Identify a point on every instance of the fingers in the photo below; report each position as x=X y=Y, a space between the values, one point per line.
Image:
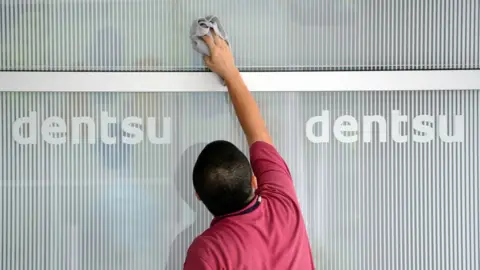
x=217 y=39
x=214 y=40
x=209 y=41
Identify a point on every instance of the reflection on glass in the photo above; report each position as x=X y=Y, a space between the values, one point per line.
x=367 y=205
x=265 y=35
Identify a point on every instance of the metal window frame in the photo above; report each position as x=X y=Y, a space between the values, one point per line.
x=257 y=81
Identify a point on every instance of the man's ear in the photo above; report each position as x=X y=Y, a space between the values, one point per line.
x=254 y=182
x=198 y=197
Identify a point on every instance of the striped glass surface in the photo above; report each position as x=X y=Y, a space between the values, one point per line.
x=386 y=180
x=139 y=35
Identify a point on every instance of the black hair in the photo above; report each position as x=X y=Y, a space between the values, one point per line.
x=222 y=178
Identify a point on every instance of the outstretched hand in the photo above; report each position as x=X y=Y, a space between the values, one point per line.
x=221 y=60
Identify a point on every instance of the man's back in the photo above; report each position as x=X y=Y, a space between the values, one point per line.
x=267 y=234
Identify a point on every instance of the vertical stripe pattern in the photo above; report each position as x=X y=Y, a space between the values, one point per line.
x=395 y=187
x=152 y=35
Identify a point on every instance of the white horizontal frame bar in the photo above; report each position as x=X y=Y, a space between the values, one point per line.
x=257 y=81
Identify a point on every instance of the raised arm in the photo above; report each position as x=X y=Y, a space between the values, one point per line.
x=272 y=172
x=221 y=62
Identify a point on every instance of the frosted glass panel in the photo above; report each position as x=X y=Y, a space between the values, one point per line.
x=386 y=180
x=268 y=34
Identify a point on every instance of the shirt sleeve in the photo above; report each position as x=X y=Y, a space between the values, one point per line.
x=198 y=257
x=273 y=175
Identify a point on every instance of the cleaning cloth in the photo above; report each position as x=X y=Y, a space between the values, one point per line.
x=203 y=27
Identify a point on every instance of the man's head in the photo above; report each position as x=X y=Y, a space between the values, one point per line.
x=223 y=178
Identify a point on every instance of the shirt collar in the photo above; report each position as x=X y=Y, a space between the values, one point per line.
x=247 y=209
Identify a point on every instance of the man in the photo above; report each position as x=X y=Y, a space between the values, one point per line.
x=257 y=221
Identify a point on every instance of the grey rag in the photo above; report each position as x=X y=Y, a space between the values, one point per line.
x=203 y=27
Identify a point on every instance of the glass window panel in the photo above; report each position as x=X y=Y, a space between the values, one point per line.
x=269 y=34
x=404 y=195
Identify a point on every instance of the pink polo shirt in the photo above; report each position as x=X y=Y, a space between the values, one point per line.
x=268 y=234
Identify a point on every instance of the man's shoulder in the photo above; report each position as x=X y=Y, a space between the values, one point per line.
x=201 y=254
x=204 y=246
x=204 y=243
